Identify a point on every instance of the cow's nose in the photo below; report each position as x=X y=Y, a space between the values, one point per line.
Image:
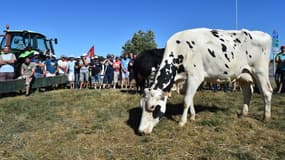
x=144 y=132
x=150 y=108
x=141 y=133
x=147 y=131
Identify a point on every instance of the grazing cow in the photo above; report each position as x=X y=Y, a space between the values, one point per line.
x=207 y=54
x=145 y=66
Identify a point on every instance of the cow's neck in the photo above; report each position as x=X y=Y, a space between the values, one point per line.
x=165 y=76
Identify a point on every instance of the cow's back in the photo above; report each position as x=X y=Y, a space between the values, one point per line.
x=220 y=53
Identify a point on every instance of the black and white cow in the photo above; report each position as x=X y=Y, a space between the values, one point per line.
x=207 y=54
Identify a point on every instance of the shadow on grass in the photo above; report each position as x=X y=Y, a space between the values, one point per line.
x=12 y=94
x=171 y=110
x=131 y=92
x=134 y=118
x=177 y=109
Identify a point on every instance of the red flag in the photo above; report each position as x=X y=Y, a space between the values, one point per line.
x=91 y=52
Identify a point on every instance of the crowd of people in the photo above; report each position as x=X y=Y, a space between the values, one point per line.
x=84 y=72
x=110 y=72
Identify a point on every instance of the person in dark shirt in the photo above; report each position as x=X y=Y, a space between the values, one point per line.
x=280 y=59
x=109 y=72
x=51 y=66
x=76 y=72
x=131 y=71
x=40 y=66
x=95 y=70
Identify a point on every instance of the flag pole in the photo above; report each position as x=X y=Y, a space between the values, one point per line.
x=236 y=15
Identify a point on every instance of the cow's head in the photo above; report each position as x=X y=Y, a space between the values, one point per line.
x=153 y=105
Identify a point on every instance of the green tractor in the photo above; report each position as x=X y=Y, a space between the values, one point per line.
x=23 y=43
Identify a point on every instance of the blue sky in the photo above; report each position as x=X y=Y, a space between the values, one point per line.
x=108 y=24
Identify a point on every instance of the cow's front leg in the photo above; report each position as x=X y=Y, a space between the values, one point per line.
x=188 y=103
x=192 y=85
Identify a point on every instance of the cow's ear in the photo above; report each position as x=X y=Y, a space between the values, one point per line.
x=146 y=90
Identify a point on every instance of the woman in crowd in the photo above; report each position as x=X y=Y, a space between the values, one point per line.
x=117 y=67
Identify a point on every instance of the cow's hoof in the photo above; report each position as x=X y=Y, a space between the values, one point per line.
x=182 y=124
x=266 y=118
x=192 y=118
x=244 y=114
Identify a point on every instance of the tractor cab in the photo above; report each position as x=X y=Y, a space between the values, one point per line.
x=23 y=43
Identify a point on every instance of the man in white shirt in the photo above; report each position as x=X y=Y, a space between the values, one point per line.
x=71 y=71
x=62 y=65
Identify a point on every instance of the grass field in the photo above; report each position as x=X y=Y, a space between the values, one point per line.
x=87 y=124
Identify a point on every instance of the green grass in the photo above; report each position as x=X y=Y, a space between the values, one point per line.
x=87 y=124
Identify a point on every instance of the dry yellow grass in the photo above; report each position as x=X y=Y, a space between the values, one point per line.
x=87 y=124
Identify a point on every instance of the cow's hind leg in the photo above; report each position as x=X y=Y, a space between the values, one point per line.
x=192 y=85
x=266 y=90
x=247 y=93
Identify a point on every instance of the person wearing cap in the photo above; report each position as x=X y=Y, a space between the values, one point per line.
x=280 y=59
x=40 y=66
x=71 y=71
x=27 y=73
x=51 y=66
x=7 y=61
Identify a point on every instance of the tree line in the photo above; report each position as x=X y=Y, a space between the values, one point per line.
x=140 y=42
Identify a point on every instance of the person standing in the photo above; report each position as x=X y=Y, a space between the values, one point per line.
x=27 y=73
x=124 y=68
x=62 y=65
x=109 y=72
x=280 y=59
x=278 y=72
x=71 y=71
x=131 y=71
x=77 y=72
x=84 y=71
x=7 y=61
x=102 y=74
x=116 y=67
